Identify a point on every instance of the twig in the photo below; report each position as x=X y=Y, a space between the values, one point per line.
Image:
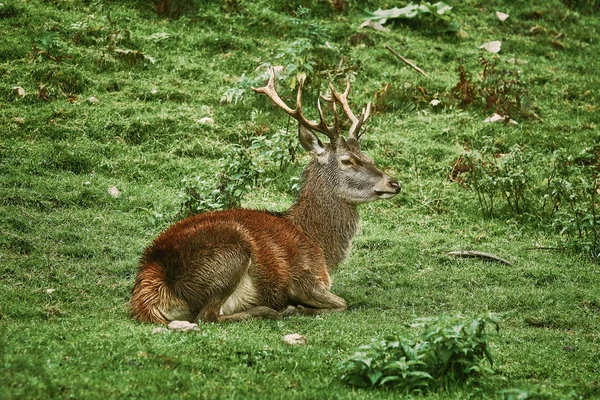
x=407 y=62
x=479 y=254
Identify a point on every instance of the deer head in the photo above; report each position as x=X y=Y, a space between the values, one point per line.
x=350 y=174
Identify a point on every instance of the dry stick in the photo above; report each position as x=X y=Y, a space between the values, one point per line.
x=407 y=62
x=479 y=254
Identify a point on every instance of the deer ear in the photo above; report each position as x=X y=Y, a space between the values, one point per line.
x=310 y=141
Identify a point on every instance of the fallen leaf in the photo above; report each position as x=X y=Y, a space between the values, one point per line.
x=500 y=119
x=114 y=192
x=462 y=34
x=206 y=121
x=558 y=45
x=159 y=330
x=502 y=16
x=493 y=47
x=374 y=25
x=183 y=326
x=19 y=120
x=19 y=91
x=536 y=29
x=294 y=339
x=50 y=290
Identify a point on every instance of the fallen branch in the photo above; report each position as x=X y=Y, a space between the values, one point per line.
x=407 y=62
x=479 y=254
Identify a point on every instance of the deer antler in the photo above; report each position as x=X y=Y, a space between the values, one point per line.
x=342 y=100
x=332 y=132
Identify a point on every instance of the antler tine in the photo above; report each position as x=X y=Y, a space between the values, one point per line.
x=336 y=118
x=269 y=90
x=342 y=100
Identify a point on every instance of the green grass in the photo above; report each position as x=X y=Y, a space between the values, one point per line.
x=61 y=230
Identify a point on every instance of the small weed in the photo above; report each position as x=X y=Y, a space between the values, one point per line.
x=498 y=90
x=238 y=173
x=573 y=188
x=450 y=348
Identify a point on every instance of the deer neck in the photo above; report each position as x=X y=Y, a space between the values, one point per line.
x=328 y=221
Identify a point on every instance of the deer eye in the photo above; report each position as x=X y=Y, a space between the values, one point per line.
x=347 y=162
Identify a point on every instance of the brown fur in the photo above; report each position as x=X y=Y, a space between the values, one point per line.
x=175 y=269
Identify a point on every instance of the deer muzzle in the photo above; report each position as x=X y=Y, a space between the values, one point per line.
x=387 y=187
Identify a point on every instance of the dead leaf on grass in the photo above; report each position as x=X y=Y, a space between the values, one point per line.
x=183 y=326
x=374 y=25
x=502 y=16
x=537 y=29
x=493 y=47
x=294 y=339
x=500 y=119
x=19 y=91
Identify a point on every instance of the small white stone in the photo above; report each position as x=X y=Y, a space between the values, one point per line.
x=294 y=339
x=93 y=100
x=50 y=290
x=184 y=326
x=434 y=102
x=114 y=192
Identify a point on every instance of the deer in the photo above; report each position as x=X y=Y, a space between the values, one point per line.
x=236 y=264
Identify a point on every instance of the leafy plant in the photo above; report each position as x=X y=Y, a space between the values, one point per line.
x=492 y=174
x=280 y=148
x=574 y=190
x=437 y=15
x=239 y=171
x=449 y=348
x=498 y=90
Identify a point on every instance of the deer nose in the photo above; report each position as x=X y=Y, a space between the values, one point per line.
x=395 y=185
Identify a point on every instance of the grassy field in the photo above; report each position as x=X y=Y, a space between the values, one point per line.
x=96 y=94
